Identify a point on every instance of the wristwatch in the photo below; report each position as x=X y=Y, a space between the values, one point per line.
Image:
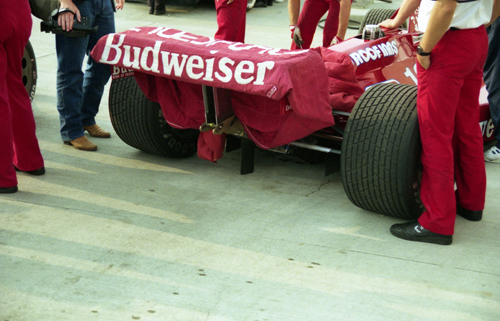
x=421 y=51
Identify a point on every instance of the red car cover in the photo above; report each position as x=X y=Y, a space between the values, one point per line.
x=278 y=95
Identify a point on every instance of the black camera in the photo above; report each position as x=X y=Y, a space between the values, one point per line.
x=80 y=29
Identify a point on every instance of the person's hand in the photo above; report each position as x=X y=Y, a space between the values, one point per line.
x=119 y=4
x=424 y=61
x=389 y=24
x=297 y=38
x=336 y=40
x=66 y=19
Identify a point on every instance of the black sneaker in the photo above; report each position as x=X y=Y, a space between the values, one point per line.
x=36 y=172
x=413 y=231
x=8 y=190
x=468 y=214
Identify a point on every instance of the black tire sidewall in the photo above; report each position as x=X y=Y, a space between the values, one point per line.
x=374 y=17
x=140 y=123
x=380 y=154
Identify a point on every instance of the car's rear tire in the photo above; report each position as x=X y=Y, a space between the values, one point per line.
x=374 y=17
x=29 y=70
x=140 y=123
x=380 y=157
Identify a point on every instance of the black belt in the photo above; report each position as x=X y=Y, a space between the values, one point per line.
x=454 y=29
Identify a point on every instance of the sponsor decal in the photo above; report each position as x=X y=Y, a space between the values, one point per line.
x=386 y=49
x=271 y=92
x=285 y=106
x=416 y=39
x=487 y=128
x=154 y=59
x=118 y=72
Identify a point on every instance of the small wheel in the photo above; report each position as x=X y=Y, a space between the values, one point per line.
x=380 y=156
x=140 y=123
x=29 y=70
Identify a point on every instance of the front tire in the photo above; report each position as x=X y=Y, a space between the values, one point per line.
x=380 y=157
x=140 y=123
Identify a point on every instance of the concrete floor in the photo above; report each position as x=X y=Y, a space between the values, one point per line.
x=118 y=234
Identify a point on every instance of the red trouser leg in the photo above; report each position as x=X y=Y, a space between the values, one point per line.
x=20 y=145
x=448 y=111
x=331 y=23
x=231 y=20
x=7 y=173
x=309 y=17
x=470 y=175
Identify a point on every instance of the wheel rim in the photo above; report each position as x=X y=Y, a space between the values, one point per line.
x=29 y=71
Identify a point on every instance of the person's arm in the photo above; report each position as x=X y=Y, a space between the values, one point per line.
x=406 y=9
x=293 y=11
x=293 y=15
x=496 y=12
x=439 y=22
x=344 y=14
x=66 y=19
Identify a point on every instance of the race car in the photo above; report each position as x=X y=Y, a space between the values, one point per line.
x=173 y=91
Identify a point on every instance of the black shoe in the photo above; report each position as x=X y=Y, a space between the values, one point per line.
x=5 y=190
x=413 y=231
x=160 y=10
x=151 y=4
x=36 y=172
x=260 y=4
x=468 y=214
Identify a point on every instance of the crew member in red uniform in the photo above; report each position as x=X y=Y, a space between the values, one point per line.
x=304 y=26
x=18 y=142
x=231 y=19
x=450 y=58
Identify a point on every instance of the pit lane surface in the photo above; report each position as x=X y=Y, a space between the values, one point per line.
x=118 y=234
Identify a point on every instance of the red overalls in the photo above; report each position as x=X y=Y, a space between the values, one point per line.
x=18 y=143
x=448 y=114
x=309 y=17
x=231 y=20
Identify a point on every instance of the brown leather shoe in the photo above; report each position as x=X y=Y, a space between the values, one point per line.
x=96 y=131
x=82 y=143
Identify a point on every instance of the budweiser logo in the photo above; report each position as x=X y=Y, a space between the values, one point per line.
x=166 y=53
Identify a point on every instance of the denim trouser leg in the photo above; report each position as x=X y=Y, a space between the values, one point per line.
x=79 y=94
x=96 y=74
x=70 y=55
x=492 y=76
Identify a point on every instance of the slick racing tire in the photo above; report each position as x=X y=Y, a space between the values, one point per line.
x=380 y=157
x=29 y=70
x=140 y=123
x=374 y=17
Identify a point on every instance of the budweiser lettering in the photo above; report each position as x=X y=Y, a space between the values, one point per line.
x=180 y=63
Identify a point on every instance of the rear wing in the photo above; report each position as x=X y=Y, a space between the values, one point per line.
x=278 y=95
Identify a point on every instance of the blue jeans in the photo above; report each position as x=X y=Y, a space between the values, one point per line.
x=492 y=76
x=79 y=94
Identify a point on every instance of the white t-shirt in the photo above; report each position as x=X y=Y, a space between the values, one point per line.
x=469 y=14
